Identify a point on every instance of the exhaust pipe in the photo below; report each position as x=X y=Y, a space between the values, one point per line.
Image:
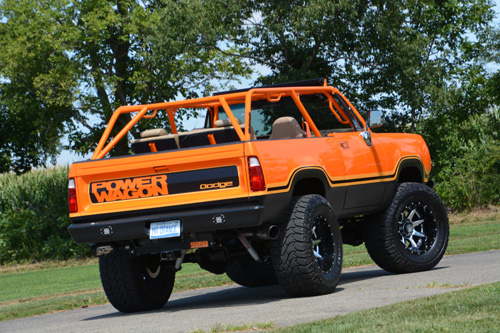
x=267 y=232
x=249 y=248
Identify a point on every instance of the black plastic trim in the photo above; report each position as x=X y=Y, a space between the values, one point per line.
x=139 y=213
x=411 y=162
x=200 y=220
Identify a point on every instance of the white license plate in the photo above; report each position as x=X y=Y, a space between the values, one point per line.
x=165 y=229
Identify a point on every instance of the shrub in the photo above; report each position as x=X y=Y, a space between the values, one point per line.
x=471 y=166
x=34 y=217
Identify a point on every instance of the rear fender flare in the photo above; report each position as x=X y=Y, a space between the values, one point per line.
x=406 y=174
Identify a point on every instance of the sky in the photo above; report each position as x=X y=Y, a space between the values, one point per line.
x=68 y=157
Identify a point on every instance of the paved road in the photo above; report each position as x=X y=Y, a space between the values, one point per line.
x=359 y=289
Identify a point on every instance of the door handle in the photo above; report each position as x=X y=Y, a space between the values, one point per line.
x=367 y=137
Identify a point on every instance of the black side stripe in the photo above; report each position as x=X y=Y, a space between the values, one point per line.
x=340 y=182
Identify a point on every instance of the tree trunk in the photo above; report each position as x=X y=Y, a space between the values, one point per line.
x=120 y=46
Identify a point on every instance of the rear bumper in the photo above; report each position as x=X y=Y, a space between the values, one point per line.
x=192 y=220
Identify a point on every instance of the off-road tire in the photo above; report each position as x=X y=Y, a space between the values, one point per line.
x=136 y=283
x=412 y=234
x=247 y=272
x=311 y=228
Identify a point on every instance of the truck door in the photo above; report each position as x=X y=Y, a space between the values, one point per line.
x=364 y=171
x=363 y=160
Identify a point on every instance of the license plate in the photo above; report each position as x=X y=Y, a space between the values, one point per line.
x=165 y=229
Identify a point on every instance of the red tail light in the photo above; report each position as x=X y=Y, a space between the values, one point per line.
x=73 y=205
x=257 y=182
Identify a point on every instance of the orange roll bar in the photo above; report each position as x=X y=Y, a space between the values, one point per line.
x=271 y=94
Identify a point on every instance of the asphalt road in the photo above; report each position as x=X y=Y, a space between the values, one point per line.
x=359 y=289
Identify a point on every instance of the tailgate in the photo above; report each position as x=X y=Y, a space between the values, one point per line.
x=157 y=180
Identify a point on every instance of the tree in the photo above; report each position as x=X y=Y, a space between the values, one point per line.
x=395 y=55
x=494 y=57
x=67 y=64
x=36 y=85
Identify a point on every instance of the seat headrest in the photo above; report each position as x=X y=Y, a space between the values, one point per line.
x=153 y=132
x=225 y=122
x=286 y=128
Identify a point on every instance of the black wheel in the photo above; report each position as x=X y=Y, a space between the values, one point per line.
x=307 y=257
x=412 y=234
x=247 y=272
x=136 y=283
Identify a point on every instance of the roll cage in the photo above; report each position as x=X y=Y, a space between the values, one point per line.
x=340 y=106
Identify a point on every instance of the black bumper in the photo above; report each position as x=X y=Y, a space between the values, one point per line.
x=194 y=220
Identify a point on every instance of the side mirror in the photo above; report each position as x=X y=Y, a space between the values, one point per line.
x=375 y=119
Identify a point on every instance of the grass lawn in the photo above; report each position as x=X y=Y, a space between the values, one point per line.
x=48 y=288
x=27 y=290
x=474 y=309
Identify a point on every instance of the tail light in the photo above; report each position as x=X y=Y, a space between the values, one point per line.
x=73 y=204
x=257 y=182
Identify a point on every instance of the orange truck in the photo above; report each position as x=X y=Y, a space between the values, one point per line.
x=267 y=191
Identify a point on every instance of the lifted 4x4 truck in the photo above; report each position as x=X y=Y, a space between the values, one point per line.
x=267 y=192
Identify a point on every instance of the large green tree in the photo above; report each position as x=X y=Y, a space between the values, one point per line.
x=36 y=84
x=494 y=57
x=66 y=65
x=396 y=55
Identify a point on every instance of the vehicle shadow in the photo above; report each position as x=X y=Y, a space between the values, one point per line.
x=365 y=273
x=230 y=296
x=240 y=296
x=371 y=272
x=214 y=298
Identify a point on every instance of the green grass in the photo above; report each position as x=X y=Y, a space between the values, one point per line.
x=474 y=309
x=193 y=277
x=237 y=328
x=27 y=290
x=474 y=237
x=37 y=306
x=355 y=256
x=50 y=282
x=48 y=288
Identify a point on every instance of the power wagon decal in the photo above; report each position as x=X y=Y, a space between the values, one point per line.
x=163 y=184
